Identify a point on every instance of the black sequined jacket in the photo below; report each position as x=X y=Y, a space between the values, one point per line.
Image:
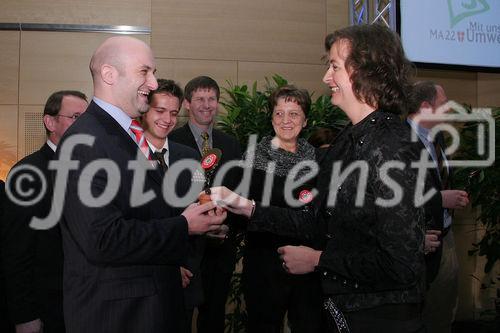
x=373 y=250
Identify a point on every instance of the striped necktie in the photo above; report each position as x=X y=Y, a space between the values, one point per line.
x=140 y=139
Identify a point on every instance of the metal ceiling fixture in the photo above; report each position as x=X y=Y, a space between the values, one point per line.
x=373 y=12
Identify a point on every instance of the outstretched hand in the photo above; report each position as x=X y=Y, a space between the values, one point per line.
x=203 y=218
x=231 y=201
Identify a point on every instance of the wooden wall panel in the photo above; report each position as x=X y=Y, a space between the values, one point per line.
x=337 y=12
x=52 y=61
x=112 y=12
x=303 y=76
x=31 y=129
x=8 y=138
x=259 y=30
x=9 y=67
x=182 y=71
x=488 y=89
x=460 y=86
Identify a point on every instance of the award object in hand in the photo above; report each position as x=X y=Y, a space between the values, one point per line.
x=209 y=163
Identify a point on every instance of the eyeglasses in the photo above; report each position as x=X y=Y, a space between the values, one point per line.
x=293 y=115
x=76 y=115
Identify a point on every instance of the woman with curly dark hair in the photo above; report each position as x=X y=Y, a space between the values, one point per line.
x=364 y=214
x=375 y=68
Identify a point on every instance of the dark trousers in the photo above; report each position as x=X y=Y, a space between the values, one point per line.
x=51 y=312
x=5 y=324
x=393 y=318
x=442 y=296
x=217 y=269
x=189 y=320
x=270 y=292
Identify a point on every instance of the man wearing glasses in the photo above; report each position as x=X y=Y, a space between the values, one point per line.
x=33 y=259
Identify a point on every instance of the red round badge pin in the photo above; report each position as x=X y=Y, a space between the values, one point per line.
x=209 y=161
x=305 y=196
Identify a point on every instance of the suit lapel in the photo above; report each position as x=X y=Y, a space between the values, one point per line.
x=119 y=136
x=173 y=154
x=437 y=180
x=47 y=152
x=434 y=171
x=218 y=142
x=190 y=140
x=120 y=139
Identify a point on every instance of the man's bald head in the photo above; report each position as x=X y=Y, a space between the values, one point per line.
x=112 y=52
x=123 y=73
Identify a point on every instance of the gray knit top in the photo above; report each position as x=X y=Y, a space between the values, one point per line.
x=266 y=152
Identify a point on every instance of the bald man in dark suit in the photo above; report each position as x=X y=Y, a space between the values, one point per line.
x=122 y=257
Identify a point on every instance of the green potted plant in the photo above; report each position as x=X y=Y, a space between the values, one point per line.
x=483 y=186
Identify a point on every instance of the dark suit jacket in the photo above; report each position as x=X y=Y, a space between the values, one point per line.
x=121 y=264
x=216 y=272
x=178 y=152
x=433 y=220
x=230 y=147
x=5 y=323
x=193 y=293
x=33 y=259
x=231 y=150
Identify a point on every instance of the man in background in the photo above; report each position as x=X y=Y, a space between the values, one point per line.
x=5 y=323
x=158 y=122
x=33 y=259
x=201 y=101
x=441 y=298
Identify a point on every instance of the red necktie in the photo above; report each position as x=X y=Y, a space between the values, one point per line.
x=140 y=139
